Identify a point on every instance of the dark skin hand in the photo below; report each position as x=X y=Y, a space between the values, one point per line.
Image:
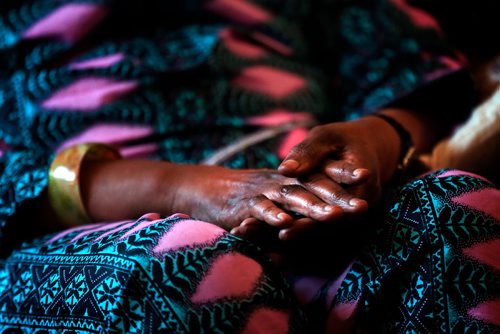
x=126 y=189
x=346 y=164
x=226 y=197
x=338 y=173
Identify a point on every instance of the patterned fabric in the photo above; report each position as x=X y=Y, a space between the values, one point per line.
x=432 y=267
x=178 y=81
x=172 y=275
x=79 y=71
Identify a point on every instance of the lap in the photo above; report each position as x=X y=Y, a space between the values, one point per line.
x=171 y=275
x=429 y=266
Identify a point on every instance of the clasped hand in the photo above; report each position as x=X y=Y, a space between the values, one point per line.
x=334 y=173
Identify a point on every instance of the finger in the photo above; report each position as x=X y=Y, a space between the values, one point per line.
x=254 y=229
x=240 y=229
x=297 y=199
x=250 y=221
x=333 y=193
x=344 y=172
x=246 y=226
x=305 y=156
x=299 y=227
x=262 y=208
x=236 y=231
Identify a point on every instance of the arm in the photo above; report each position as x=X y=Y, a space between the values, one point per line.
x=126 y=189
x=368 y=148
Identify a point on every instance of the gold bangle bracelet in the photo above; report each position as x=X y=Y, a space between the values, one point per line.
x=64 y=180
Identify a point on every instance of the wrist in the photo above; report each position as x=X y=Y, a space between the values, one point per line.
x=406 y=146
x=185 y=187
x=386 y=143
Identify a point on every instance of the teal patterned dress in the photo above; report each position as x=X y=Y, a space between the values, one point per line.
x=236 y=83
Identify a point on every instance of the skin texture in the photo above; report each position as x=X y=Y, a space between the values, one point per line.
x=333 y=176
x=126 y=189
x=347 y=164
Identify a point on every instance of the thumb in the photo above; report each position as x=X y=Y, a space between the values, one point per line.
x=303 y=158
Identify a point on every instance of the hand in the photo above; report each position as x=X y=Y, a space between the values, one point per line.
x=353 y=159
x=126 y=189
x=344 y=164
x=227 y=197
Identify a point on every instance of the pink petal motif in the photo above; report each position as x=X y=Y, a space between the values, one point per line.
x=341 y=318
x=68 y=23
x=188 y=233
x=439 y=73
x=450 y=62
x=272 y=44
x=457 y=172
x=485 y=200
x=89 y=94
x=419 y=17
x=109 y=133
x=150 y=219
x=101 y=62
x=267 y=321
x=231 y=275
x=488 y=312
x=241 y=11
x=241 y=47
x=486 y=252
x=115 y=230
x=71 y=230
x=139 y=151
x=278 y=117
x=269 y=81
x=98 y=228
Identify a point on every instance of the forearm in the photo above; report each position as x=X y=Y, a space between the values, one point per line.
x=126 y=189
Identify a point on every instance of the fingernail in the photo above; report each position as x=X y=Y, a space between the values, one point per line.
x=328 y=208
x=283 y=234
x=290 y=164
x=282 y=216
x=234 y=231
x=354 y=202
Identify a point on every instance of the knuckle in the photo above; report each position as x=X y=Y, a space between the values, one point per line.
x=336 y=196
x=254 y=201
x=301 y=149
x=267 y=209
x=287 y=190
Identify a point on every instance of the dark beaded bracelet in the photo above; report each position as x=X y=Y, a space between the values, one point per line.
x=407 y=150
